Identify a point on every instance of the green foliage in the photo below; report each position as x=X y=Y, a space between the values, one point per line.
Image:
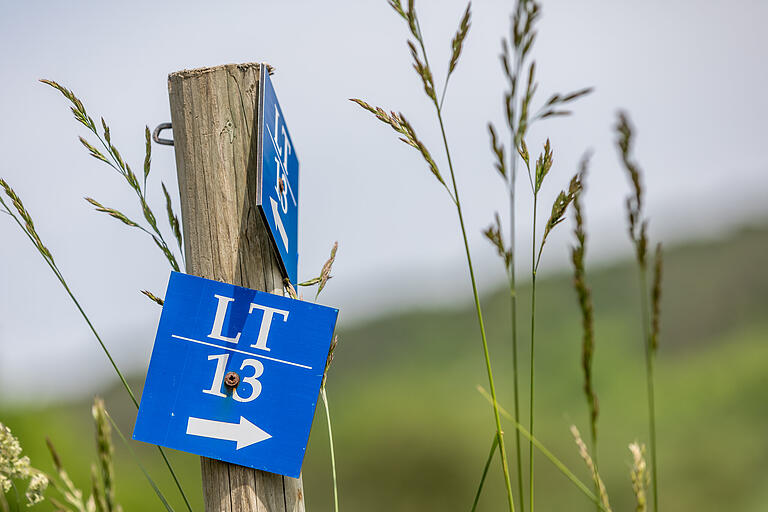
x=417 y=448
x=23 y=219
x=400 y=125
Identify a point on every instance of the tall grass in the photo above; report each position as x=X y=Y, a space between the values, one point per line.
x=520 y=113
x=110 y=155
x=23 y=219
x=398 y=122
x=320 y=281
x=17 y=468
x=584 y=296
x=649 y=314
x=520 y=72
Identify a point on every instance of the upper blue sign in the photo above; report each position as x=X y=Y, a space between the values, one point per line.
x=279 y=170
x=276 y=346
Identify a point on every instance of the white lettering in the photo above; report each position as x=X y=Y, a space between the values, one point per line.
x=266 y=322
x=218 y=377
x=218 y=321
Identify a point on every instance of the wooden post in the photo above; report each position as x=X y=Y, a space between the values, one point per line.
x=214 y=112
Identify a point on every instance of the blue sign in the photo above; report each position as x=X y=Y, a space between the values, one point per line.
x=210 y=331
x=279 y=170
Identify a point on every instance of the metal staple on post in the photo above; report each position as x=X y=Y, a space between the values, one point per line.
x=156 y=134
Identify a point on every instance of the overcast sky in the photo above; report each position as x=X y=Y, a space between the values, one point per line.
x=692 y=73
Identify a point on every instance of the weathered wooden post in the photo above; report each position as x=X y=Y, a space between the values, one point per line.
x=214 y=112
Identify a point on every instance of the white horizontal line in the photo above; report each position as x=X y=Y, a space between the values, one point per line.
x=241 y=351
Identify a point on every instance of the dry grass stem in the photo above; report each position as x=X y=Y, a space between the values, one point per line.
x=105 y=451
x=584 y=453
x=639 y=475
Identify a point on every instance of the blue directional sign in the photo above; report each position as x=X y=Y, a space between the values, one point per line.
x=276 y=346
x=279 y=171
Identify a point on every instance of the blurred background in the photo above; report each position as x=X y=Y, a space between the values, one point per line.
x=411 y=431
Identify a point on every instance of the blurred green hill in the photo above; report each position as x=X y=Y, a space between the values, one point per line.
x=412 y=432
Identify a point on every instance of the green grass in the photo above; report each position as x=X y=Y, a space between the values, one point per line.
x=412 y=433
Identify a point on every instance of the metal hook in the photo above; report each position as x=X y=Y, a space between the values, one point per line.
x=156 y=134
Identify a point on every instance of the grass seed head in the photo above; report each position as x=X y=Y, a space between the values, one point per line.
x=458 y=40
x=105 y=451
x=493 y=234
x=154 y=298
x=640 y=476
x=15 y=466
x=543 y=165
x=329 y=359
x=498 y=151
x=173 y=220
x=584 y=296
x=111 y=212
x=290 y=289
x=634 y=202
x=398 y=7
x=147 y=153
x=424 y=72
x=325 y=272
x=584 y=453
x=563 y=200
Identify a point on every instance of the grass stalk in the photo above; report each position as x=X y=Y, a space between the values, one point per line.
x=333 y=452
x=320 y=281
x=515 y=377
x=547 y=453
x=475 y=294
x=584 y=296
x=515 y=58
x=478 y=310
x=638 y=226
x=494 y=445
x=513 y=291
x=29 y=230
x=135 y=458
x=404 y=128
x=649 y=360
x=533 y=353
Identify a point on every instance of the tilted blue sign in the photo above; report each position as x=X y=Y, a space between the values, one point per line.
x=279 y=170
x=277 y=346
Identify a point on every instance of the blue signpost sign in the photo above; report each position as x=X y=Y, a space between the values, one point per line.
x=279 y=171
x=276 y=346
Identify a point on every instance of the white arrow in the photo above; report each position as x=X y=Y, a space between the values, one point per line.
x=244 y=433
x=279 y=223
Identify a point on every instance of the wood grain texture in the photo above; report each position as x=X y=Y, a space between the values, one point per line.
x=214 y=115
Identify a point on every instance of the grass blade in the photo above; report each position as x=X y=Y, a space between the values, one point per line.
x=547 y=453
x=30 y=231
x=333 y=451
x=152 y=483
x=494 y=445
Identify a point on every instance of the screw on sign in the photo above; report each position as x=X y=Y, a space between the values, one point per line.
x=235 y=374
